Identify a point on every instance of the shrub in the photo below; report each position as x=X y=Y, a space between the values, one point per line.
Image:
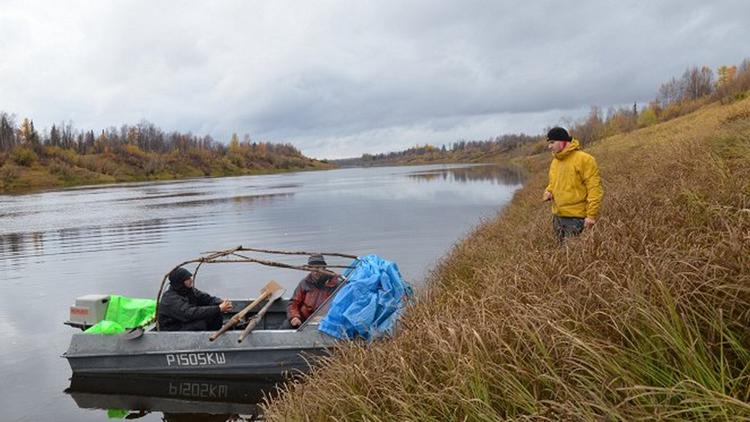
x=9 y=173
x=23 y=156
x=66 y=155
x=61 y=169
x=647 y=117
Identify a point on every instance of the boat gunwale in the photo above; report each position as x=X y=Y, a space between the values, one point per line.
x=149 y=353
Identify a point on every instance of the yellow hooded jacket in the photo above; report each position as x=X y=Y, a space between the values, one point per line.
x=575 y=183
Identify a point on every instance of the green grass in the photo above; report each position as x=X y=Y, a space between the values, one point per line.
x=644 y=317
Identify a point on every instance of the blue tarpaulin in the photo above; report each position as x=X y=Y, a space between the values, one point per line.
x=369 y=303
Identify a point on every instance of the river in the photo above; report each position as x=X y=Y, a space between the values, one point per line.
x=121 y=239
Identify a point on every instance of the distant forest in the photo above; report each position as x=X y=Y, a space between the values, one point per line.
x=459 y=151
x=696 y=87
x=65 y=156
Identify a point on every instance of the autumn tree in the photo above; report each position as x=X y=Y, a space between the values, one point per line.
x=591 y=128
x=648 y=115
x=234 y=144
x=29 y=136
x=54 y=136
x=697 y=82
x=726 y=74
x=670 y=92
x=7 y=132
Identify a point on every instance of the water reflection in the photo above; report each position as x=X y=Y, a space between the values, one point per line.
x=285 y=186
x=243 y=199
x=12 y=243
x=131 y=185
x=503 y=175
x=93 y=238
x=154 y=195
x=16 y=214
x=178 y=399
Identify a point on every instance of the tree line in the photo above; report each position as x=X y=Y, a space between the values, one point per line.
x=460 y=150
x=65 y=156
x=145 y=135
x=696 y=87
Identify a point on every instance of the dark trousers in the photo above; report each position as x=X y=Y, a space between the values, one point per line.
x=209 y=324
x=566 y=227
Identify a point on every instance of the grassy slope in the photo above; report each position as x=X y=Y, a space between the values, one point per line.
x=645 y=316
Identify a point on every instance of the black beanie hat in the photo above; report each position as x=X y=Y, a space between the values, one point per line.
x=178 y=276
x=316 y=260
x=558 y=134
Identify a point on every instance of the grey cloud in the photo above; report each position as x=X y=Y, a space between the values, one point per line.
x=351 y=76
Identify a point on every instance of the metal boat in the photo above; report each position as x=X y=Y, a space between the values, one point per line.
x=266 y=351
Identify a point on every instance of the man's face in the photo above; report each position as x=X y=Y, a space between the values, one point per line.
x=189 y=283
x=556 y=146
x=316 y=275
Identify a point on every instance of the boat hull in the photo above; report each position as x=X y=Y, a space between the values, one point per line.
x=262 y=353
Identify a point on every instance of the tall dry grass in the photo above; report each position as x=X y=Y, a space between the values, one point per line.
x=644 y=317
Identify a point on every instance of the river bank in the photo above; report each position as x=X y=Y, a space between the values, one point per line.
x=645 y=316
x=39 y=179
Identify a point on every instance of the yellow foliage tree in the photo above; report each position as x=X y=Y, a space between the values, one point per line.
x=726 y=75
x=647 y=117
x=234 y=144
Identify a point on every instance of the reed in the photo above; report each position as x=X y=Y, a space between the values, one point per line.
x=644 y=317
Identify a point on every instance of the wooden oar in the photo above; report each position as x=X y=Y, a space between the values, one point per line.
x=257 y=317
x=265 y=292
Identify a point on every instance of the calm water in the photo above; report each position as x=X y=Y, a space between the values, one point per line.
x=121 y=239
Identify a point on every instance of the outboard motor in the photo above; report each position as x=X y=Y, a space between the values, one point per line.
x=87 y=311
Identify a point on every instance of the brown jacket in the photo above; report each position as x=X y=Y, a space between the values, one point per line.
x=311 y=292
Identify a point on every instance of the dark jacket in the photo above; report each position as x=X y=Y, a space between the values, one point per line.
x=311 y=292
x=180 y=309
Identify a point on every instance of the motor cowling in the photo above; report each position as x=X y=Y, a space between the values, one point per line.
x=88 y=310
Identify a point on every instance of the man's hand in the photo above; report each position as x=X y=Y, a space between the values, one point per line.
x=295 y=322
x=588 y=222
x=225 y=306
x=547 y=196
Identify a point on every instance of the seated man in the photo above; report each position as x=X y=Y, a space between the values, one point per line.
x=185 y=308
x=310 y=293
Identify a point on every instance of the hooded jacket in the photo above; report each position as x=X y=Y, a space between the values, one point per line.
x=311 y=292
x=181 y=305
x=575 y=183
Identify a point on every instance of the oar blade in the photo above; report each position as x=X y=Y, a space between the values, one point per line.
x=132 y=333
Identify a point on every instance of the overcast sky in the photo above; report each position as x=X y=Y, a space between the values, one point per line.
x=340 y=78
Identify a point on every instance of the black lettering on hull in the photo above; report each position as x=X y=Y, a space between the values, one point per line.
x=196 y=359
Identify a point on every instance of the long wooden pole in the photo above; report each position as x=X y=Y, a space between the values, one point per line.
x=269 y=289
x=238 y=316
x=280 y=252
x=257 y=317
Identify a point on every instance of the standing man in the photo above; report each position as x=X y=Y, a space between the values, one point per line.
x=574 y=188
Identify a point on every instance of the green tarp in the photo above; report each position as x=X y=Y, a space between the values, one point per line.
x=123 y=313
x=117 y=413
